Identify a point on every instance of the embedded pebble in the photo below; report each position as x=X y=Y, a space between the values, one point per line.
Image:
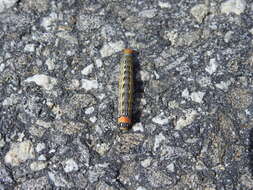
x=50 y=64
x=6 y=4
x=98 y=63
x=89 y=110
x=75 y=83
x=148 y=13
x=42 y=80
x=171 y=167
x=197 y=96
x=145 y=76
x=93 y=119
x=70 y=166
x=38 y=165
x=161 y=119
x=233 y=6
x=185 y=93
x=2 y=142
x=146 y=163
x=2 y=66
x=87 y=70
x=111 y=48
x=211 y=68
x=42 y=158
x=89 y=84
x=30 y=48
x=228 y=36
x=40 y=147
x=172 y=36
x=102 y=148
x=47 y=22
x=199 y=12
x=189 y=117
x=158 y=139
x=223 y=85
x=164 y=4
x=251 y=31
x=138 y=127
x=19 y=153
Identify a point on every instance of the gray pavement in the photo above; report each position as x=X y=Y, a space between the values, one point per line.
x=193 y=103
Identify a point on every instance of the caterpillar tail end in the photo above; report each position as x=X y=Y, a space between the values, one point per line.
x=124 y=126
x=124 y=123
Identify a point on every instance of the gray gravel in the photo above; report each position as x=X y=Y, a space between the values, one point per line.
x=193 y=103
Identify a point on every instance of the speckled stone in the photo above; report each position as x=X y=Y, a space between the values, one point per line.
x=19 y=153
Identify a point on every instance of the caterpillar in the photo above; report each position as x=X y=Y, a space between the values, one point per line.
x=125 y=90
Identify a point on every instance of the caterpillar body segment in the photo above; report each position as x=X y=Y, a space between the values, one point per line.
x=125 y=90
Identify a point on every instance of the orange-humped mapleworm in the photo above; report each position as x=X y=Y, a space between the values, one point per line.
x=125 y=90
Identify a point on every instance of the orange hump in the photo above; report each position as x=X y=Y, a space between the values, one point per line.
x=128 y=51
x=124 y=119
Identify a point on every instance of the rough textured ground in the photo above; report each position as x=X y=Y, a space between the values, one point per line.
x=193 y=94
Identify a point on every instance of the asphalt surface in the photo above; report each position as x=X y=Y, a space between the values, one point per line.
x=193 y=87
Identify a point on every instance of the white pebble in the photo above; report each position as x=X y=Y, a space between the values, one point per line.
x=39 y=165
x=98 y=63
x=183 y=121
x=70 y=165
x=158 y=139
x=89 y=110
x=171 y=167
x=2 y=66
x=19 y=153
x=148 y=13
x=146 y=163
x=211 y=68
x=42 y=80
x=199 y=12
x=164 y=5
x=42 y=158
x=48 y=21
x=50 y=64
x=145 y=76
x=89 y=84
x=228 y=36
x=111 y=48
x=223 y=85
x=87 y=70
x=251 y=30
x=93 y=119
x=185 y=93
x=138 y=127
x=75 y=83
x=161 y=119
x=233 y=6
x=6 y=4
x=29 y=48
x=40 y=147
x=197 y=96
